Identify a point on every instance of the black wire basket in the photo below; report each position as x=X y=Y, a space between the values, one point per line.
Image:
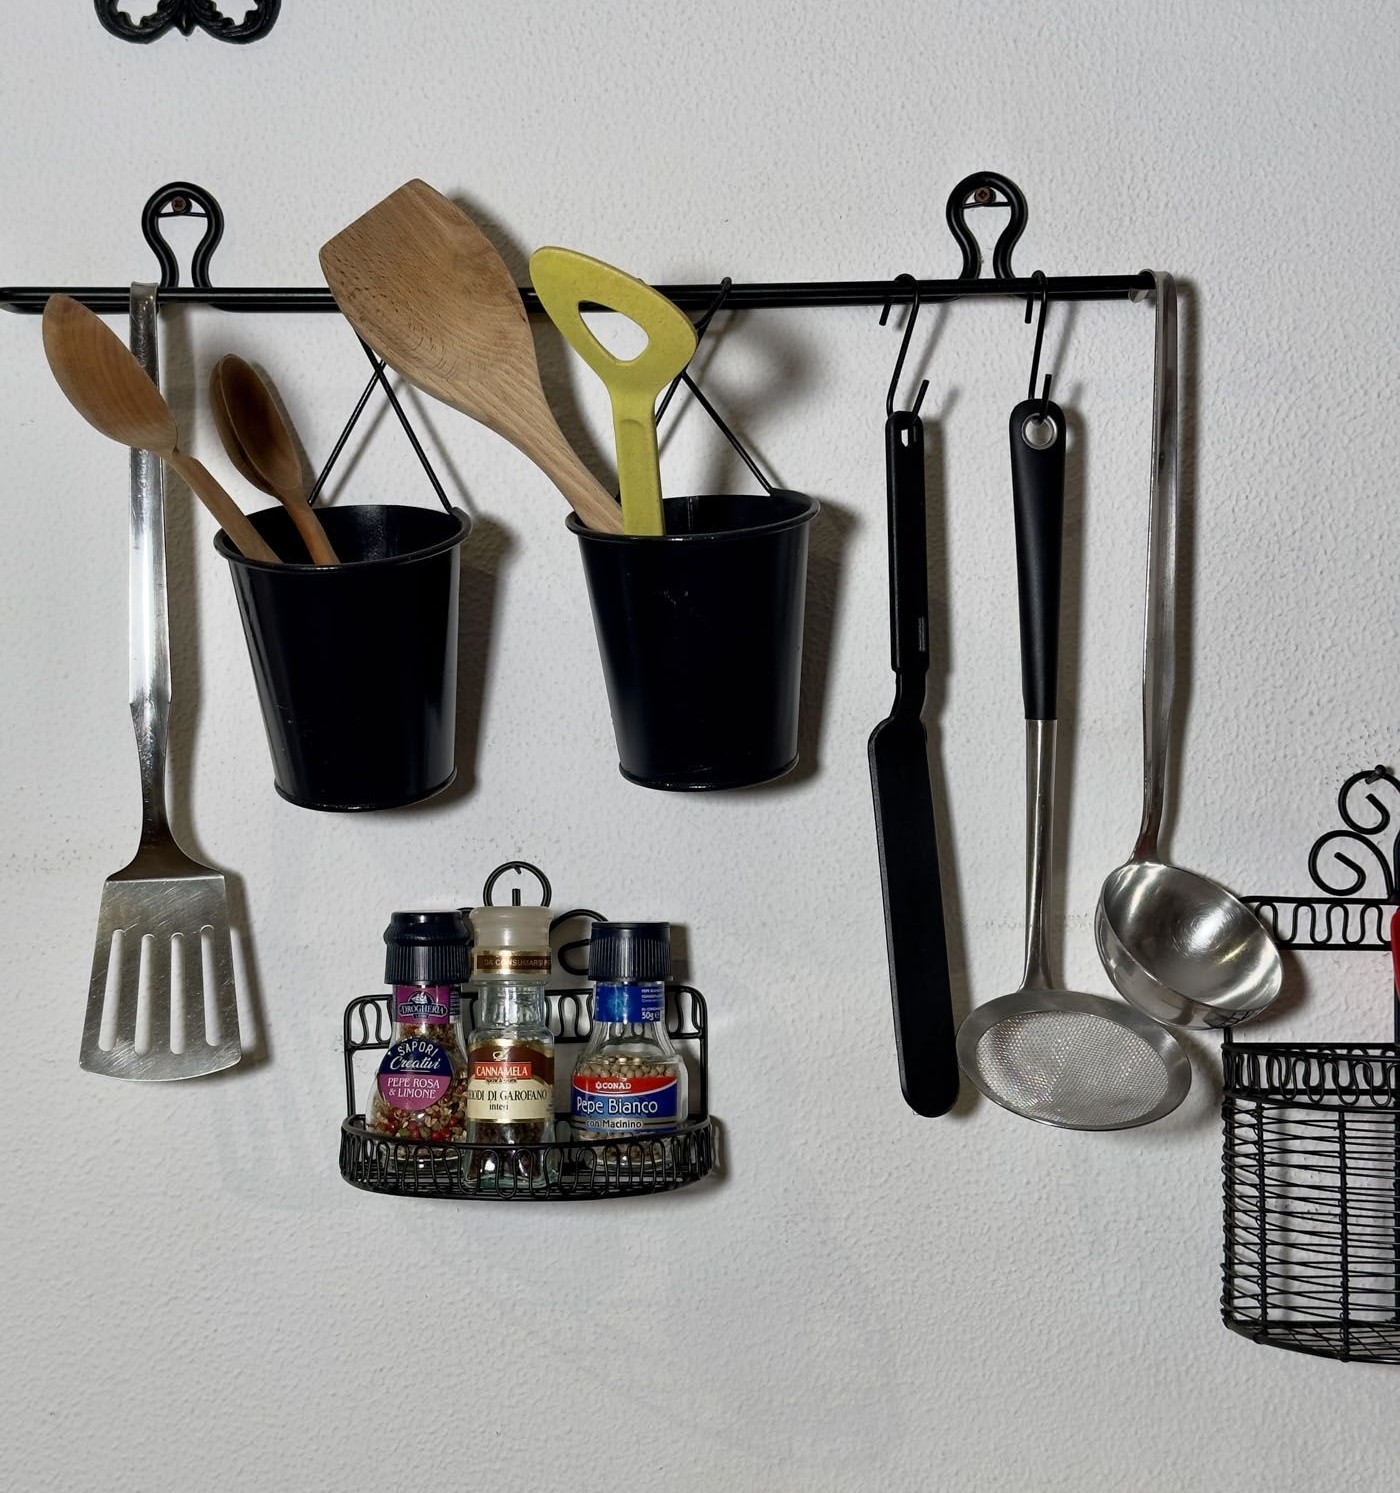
x=1312 y=1183
x=1312 y=1130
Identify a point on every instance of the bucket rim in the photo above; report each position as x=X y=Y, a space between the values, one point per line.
x=226 y=547
x=777 y=526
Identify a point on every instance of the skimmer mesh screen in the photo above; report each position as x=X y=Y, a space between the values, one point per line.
x=1071 y=1068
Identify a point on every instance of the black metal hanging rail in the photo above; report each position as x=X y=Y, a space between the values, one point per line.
x=757 y=297
x=981 y=190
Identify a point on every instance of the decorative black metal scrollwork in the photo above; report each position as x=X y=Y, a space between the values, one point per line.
x=184 y=16
x=1357 y=868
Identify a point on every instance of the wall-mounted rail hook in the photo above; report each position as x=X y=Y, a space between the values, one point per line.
x=913 y=284
x=986 y=189
x=183 y=199
x=1039 y=279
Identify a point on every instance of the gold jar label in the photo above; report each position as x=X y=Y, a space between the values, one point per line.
x=511 y=961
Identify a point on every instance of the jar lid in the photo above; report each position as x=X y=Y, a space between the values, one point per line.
x=427 y=948
x=629 y=953
x=511 y=927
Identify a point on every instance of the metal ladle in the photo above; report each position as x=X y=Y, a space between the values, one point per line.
x=1178 y=946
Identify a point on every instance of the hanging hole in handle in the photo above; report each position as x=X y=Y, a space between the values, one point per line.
x=1040 y=434
x=617 y=334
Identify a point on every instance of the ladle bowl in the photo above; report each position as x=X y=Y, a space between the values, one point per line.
x=1182 y=949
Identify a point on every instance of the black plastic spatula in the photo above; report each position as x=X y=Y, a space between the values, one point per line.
x=904 y=826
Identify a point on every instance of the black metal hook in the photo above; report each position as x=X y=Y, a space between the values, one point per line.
x=980 y=190
x=1039 y=279
x=904 y=343
x=183 y=199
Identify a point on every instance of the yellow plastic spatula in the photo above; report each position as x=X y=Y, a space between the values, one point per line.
x=564 y=281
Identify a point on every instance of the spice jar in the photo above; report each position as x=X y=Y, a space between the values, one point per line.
x=510 y=1052
x=419 y=1092
x=629 y=1080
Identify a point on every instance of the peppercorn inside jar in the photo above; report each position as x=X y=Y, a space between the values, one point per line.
x=420 y=1091
x=629 y=1081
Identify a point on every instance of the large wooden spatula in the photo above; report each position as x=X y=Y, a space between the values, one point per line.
x=421 y=283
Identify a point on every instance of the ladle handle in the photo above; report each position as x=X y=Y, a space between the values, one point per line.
x=1038 y=497
x=1159 y=626
x=1038 y=493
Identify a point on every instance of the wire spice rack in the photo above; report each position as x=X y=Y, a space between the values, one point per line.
x=562 y=1169
x=1312 y=1130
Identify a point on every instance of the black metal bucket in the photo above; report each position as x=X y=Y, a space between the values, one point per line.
x=700 y=633
x=356 y=664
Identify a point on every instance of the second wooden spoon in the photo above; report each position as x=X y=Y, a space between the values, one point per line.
x=258 y=443
x=114 y=394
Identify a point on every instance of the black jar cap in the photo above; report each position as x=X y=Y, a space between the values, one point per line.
x=629 y=953
x=427 y=948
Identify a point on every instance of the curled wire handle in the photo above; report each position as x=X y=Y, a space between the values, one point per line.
x=980 y=190
x=183 y=199
x=526 y=868
x=904 y=344
x=1039 y=280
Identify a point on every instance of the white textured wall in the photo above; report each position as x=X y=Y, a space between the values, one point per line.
x=190 y=1295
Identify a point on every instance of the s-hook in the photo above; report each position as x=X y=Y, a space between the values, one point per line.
x=1039 y=279
x=913 y=284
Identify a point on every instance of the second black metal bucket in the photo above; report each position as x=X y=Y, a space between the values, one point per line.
x=356 y=664
x=700 y=632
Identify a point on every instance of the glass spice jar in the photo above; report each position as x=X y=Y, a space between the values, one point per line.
x=510 y=1050
x=420 y=1091
x=629 y=1080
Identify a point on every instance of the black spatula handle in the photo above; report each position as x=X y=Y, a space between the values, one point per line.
x=904 y=484
x=1038 y=492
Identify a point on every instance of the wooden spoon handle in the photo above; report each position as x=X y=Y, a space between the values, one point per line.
x=313 y=536
x=550 y=450
x=204 y=485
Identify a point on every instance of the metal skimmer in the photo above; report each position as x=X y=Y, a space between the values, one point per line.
x=1062 y=1057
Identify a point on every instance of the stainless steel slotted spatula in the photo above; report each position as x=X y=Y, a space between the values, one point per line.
x=164 y=916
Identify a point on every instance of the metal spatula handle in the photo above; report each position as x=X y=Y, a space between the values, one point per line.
x=146 y=592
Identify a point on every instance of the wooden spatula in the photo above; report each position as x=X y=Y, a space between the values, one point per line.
x=421 y=283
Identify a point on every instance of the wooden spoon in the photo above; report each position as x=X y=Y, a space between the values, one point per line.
x=113 y=393
x=421 y=283
x=260 y=446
